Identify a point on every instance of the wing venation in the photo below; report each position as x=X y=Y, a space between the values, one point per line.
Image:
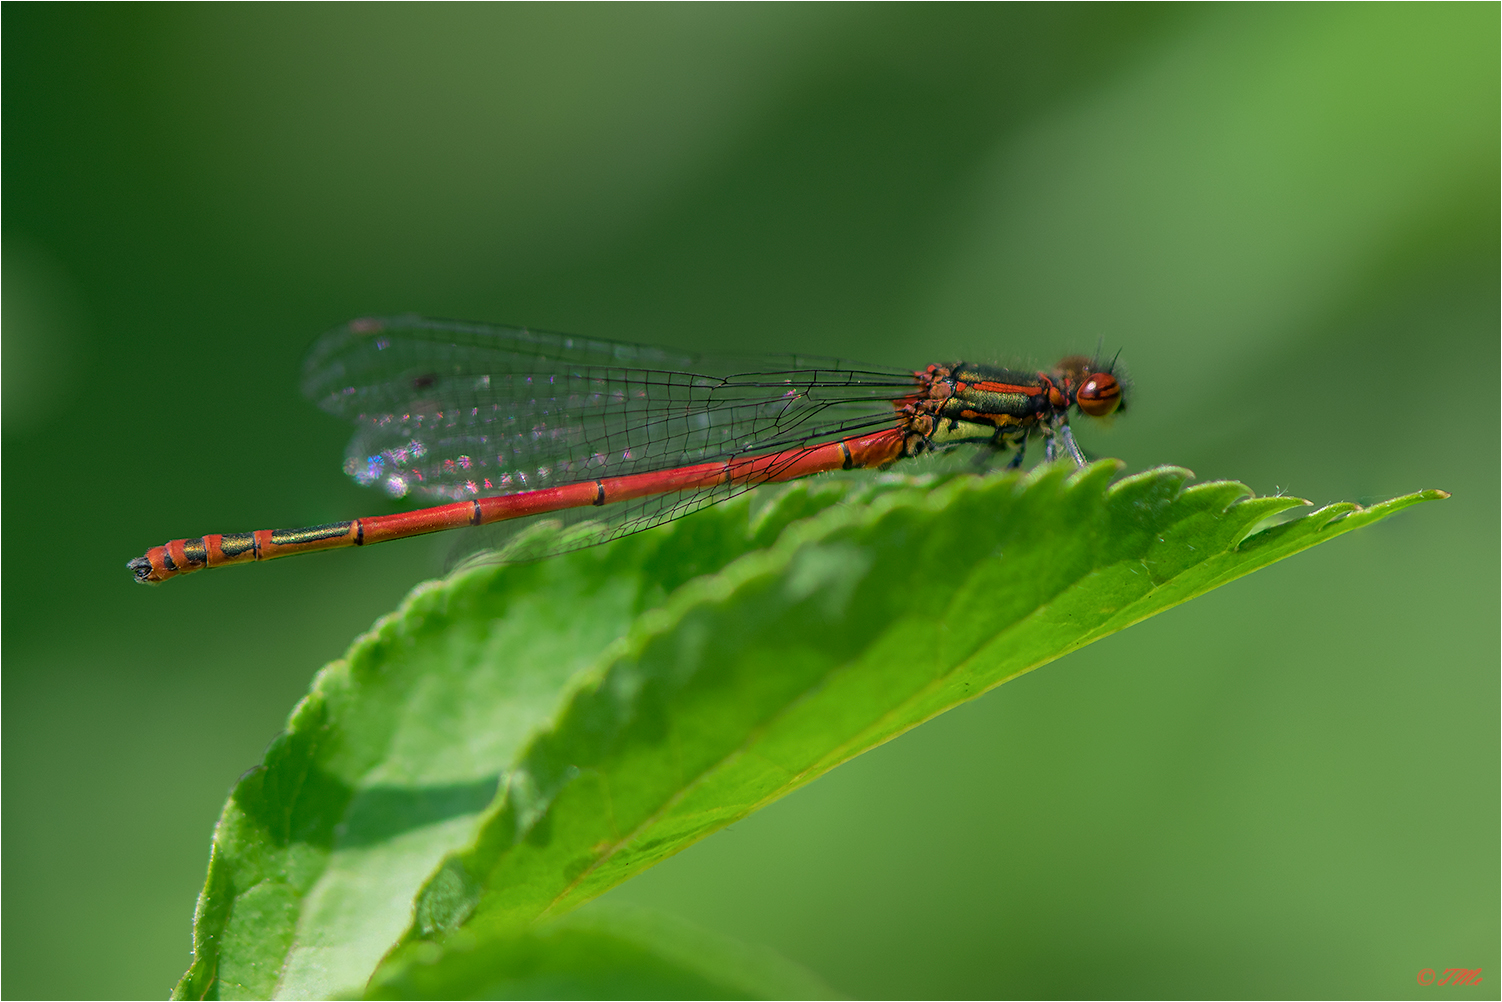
x=444 y=409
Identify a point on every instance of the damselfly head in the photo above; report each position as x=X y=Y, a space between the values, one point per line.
x=1095 y=387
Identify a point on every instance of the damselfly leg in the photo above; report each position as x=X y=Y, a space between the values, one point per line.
x=1061 y=443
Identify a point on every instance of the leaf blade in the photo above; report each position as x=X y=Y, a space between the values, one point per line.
x=629 y=700
x=385 y=766
x=614 y=791
x=599 y=952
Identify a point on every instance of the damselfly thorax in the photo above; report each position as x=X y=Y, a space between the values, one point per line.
x=968 y=402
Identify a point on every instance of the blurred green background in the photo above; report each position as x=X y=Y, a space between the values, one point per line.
x=1285 y=217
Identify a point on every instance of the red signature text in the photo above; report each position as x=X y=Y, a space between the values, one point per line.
x=1450 y=976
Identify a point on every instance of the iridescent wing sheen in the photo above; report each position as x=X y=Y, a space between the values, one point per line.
x=545 y=536
x=449 y=410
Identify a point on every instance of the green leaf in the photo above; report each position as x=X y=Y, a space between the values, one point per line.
x=628 y=700
x=597 y=952
x=387 y=763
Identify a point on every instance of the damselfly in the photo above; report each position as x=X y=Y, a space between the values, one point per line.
x=504 y=422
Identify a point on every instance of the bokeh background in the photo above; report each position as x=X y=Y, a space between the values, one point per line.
x=1286 y=218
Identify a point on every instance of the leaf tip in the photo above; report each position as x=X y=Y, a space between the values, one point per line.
x=1399 y=503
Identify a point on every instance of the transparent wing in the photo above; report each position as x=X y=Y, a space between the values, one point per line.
x=574 y=529
x=543 y=536
x=447 y=410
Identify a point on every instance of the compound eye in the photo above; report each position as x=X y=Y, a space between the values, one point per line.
x=1099 y=395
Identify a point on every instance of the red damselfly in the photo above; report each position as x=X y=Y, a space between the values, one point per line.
x=504 y=422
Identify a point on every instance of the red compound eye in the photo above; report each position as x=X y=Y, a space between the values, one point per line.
x=1099 y=395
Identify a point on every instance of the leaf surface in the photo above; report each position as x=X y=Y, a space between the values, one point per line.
x=593 y=953
x=626 y=701
x=389 y=761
